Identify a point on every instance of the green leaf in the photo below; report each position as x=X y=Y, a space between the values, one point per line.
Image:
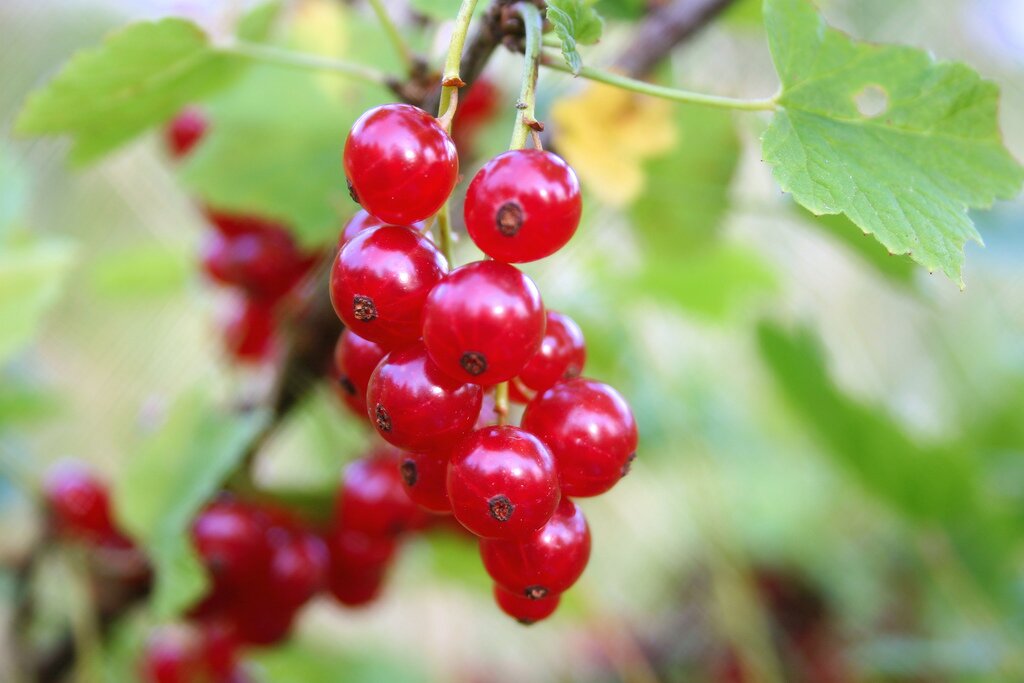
x=31 y=277
x=147 y=270
x=295 y=661
x=900 y=143
x=576 y=22
x=139 y=77
x=444 y=10
x=168 y=479
x=21 y=402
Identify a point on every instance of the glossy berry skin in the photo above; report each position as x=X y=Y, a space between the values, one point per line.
x=249 y=331
x=525 y=610
x=356 y=550
x=171 y=655
x=523 y=205
x=381 y=279
x=263 y=265
x=230 y=539
x=372 y=500
x=360 y=222
x=483 y=322
x=400 y=163
x=298 y=569
x=424 y=476
x=502 y=483
x=546 y=563
x=415 y=406
x=354 y=587
x=561 y=356
x=79 y=502
x=355 y=359
x=590 y=430
x=185 y=131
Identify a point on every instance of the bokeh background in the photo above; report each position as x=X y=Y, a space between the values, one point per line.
x=830 y=485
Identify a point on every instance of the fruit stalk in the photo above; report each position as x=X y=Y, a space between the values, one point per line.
x=526 y=121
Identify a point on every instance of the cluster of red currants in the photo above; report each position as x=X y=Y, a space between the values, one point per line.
x=256 y=257
x=426 y=347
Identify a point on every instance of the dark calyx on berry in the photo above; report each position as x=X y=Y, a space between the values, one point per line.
x=409 y=474
x=536 y=592
x=363 y=308
x=501 y=508
x=629 y=464
x=346 y=385
x=352 y=191
x=474 y=363
x=509 y=219
x=382 y=418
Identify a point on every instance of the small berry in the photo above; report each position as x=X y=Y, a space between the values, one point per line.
x=372 y=499
x=171 y=655
x=502 y=483
x=249 y=331
x=357 y=550
x=525 y=610
x=262 y=622
x=483 y=322
x=265 y=265
x=546 y=563
x=523 y=205
x=561 y=356
x=363 y=221
x=79 y=502
x=424 y=477
x=298 y=568
x=415 y=406
x=590 y=430
x=185 y=131
x=400 y=163
x=381 y=279
x=229 y=537
x=355 y=359
x=354 y=587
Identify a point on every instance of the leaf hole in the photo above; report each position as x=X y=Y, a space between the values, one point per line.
x=872 y=101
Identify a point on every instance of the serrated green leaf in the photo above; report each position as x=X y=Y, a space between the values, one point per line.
x=139 y=77
x=576 y=22
x=31 y=277
x=898 y=142
x=168 y=479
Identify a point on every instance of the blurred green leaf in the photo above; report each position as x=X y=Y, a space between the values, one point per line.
x=453 y=557
x=296 y=662
x=13 y=192
x=576 y=22
x=147 y=270
x=443 y=10
x=898 y=268
x=744 y=13
x=31 y=277
x=139 y=77
x=22 y=403
x=168 y=479
x=622 y=9
x=899 y=143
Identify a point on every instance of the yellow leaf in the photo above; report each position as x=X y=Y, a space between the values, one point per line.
x=606 y=133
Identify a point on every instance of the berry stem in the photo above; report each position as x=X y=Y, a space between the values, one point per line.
x=305 y=61
x=402 y=49
x=644 y=88
x=501 y=403
x=526 y=122
x=444 y=232
x=450 y=81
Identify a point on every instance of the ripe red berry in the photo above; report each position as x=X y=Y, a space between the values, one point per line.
x=561 y=356
x=523 y=205
x=415 y=406
x=372 y=499
x=261 y=621
x=546 y=563
x=229 y=537
x=525 y=610
x=483 y=322
x=171 y=655
x=355 y=587
x=502 y=483
x=590 y=430
x=400 y=163
x=79 y=502
x=360 y=222
x=381 y=279
x=264 y=265
x=185 y=131
x=249 y=330
x=218 y=648
x=298 y=569
x=355 y=359
x=357 y=550
x=424 y=477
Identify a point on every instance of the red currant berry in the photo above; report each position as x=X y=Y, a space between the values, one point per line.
x=356 y=550
x=219 y=648
x=400 y=163
x=261 y=621
x=590 y=430
x=523 y=205
x=483 y=322
x=561 y=356
x=424 y=476
x=415 y=406
x=502 y=483
x=79 y=502
x=298 y=568
x=381 y=279
x=355 y=359
x=525 y=610
x=229 y=537
x=249 y=331
x=360 y=222
x=372 y=499
x=264 y=265
x=185 y=131
x=171 y=655
x=546 y=563
x=235 y=224
x=354 y=587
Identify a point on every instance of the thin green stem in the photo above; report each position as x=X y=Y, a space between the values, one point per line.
x=450 y=80
x=660 y=91
x=501 y=403
x=395 y=36
x=444 y=231
x=533 y=24
x=305 y=61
